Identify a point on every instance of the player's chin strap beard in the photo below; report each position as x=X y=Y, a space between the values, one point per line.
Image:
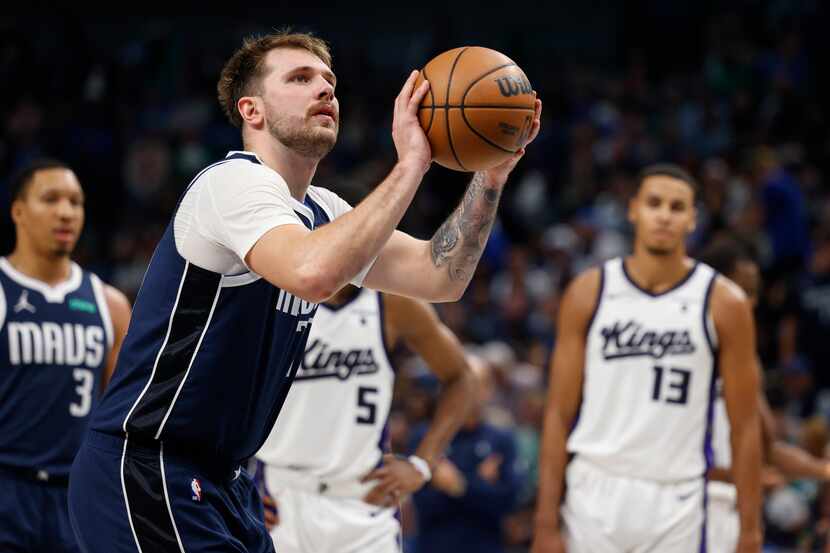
x=659 y=252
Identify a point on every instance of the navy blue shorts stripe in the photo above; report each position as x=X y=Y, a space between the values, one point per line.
x=192 y=313
x=144 y=488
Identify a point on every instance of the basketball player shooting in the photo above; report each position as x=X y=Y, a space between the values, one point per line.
x=223 y=315
x=632 y=389
x=325 y=466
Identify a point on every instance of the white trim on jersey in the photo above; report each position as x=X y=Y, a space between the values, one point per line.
x=636 y=403
x=2 y=307
x=318 y=199
x=232 y=281
x=167 y=497
x=124 y=493
x=103 y=307
x=304 y=210
x=295 y=203
x=192 y=358
x=710 y=321
x=161 y=349
x=245 y=153
x=52 y=294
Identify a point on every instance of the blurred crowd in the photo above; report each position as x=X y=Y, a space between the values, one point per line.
x=133 y=109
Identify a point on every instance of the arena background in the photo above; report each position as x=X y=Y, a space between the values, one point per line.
x=737 y=92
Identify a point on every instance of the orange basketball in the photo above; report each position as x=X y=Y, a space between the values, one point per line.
x=478 y=110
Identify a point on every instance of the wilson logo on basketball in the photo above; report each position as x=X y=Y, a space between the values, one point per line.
x=513 y=86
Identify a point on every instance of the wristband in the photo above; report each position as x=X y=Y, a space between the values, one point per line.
x=421 y=466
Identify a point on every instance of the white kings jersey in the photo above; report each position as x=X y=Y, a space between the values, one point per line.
x=649 y=378
x=333 y=422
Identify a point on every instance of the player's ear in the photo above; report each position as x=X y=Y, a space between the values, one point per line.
x=17 y=211
x=251 y=110
x=632 y=209
x=693 y=222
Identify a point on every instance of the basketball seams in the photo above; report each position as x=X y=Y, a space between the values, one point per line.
x=481 y=136
x=432 y=108
x=447 y=109
x=485 y=104
x=463 y=107
x=478 y=106
x=478 y=80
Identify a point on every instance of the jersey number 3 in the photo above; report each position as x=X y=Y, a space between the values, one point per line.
x=676 y=388
x=85 y=380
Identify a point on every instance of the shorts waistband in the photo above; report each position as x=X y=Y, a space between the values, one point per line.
x=580 y=465
x=143 y=445
x=277 y=478
x=40 y=476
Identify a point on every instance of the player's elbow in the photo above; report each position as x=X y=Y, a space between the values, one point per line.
x=315 y=285
x=447 y=294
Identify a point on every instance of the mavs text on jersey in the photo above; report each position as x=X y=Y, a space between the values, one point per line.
x=54 y=343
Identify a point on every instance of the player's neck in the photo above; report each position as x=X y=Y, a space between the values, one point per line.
x=50 y=270
x=658 y=273
x=297 y=170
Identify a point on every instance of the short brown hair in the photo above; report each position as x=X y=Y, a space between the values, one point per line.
x=243 y=73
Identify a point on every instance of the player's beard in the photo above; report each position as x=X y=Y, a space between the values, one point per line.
x=56 y=250
x=62 y=251
x=660 y=251
x=296 y=133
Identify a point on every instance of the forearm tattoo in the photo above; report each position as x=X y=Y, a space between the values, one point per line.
x=459 y=242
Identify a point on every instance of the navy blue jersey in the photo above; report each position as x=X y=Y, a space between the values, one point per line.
x=54 y=342
x=208 y=358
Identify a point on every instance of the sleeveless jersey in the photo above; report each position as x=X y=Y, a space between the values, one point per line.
x=333 y=422
x=54 y=342
x=721 y=435
x=208 y=358
x=649 y=377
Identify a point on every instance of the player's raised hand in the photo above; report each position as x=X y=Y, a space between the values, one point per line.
x=396 y=479
x=410 y=141
x=497 y=176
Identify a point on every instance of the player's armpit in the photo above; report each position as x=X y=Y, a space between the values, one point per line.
x=120 y=312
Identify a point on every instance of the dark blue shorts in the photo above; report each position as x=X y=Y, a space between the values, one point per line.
x=121 y=498
x=33 y=517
